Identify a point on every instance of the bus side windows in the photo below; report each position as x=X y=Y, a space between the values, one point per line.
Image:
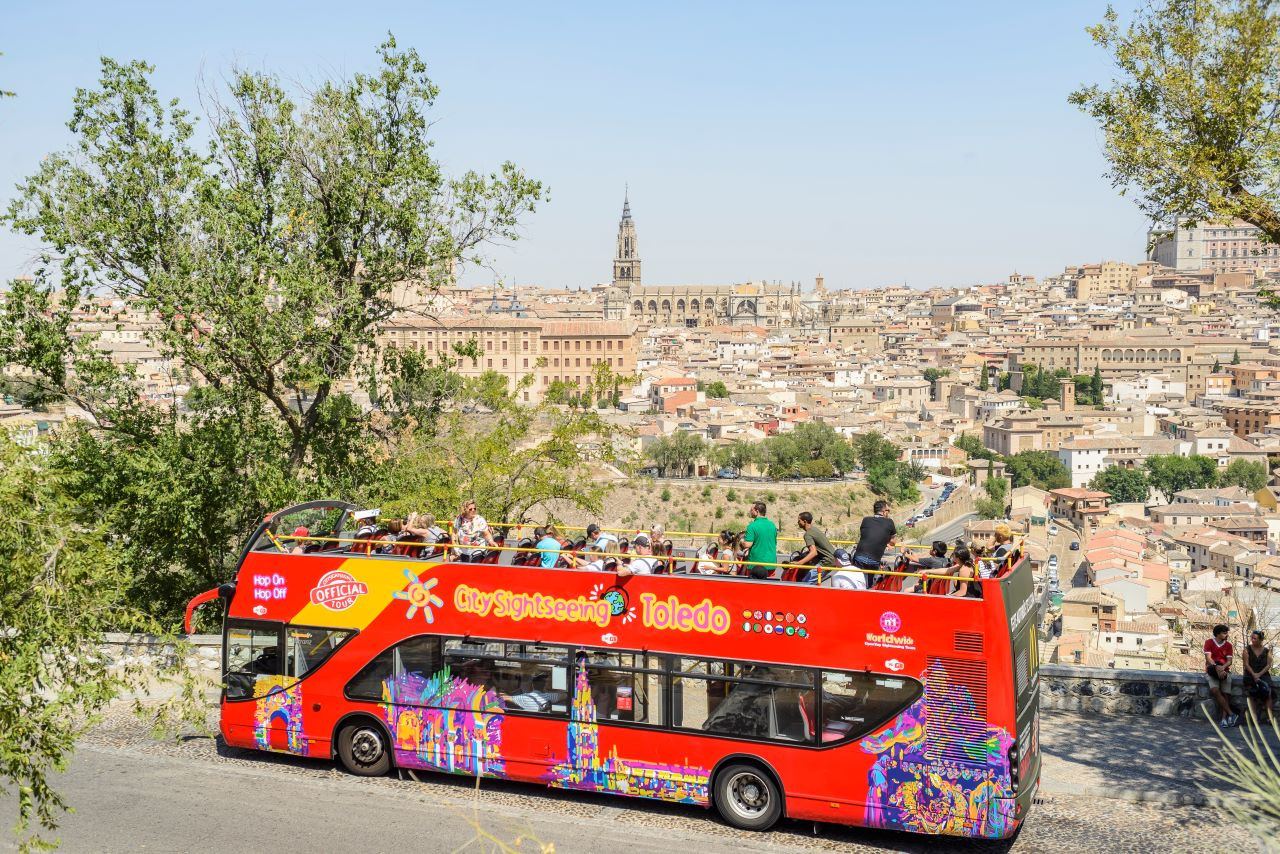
x=527 y=677
x=418 y=655
x=854 y=704
x=749 y=701
x=308 y=648
x=253 y=651
x=626 y=686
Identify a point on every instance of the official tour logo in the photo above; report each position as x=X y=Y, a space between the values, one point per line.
x=337 y=590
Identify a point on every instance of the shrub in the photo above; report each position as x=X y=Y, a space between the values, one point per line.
x=706 y=490
x=732 y=495
x=719 y=512
x=666 y=494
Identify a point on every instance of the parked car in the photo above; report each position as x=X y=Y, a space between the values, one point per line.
x=1075 y=545
x=911 y=523
x=1053 y=530
x=650 y=471
x=1053 y=560
x=727 y=474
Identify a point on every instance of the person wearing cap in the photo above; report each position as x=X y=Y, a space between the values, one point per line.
x=300 y=534
x=643 y=563
x=597 y=536
x=367 y=530
x=472 y=534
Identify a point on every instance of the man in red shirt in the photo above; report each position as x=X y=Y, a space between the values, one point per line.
x=1218 y=653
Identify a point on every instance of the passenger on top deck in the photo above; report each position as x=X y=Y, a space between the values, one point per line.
x=760 y=542
x=643 y=563
x=818 y=550
x=1004 y=544
x=876 y=534
x=471 y=533
x=846 y=577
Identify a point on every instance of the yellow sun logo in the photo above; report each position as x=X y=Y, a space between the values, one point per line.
x=419 y=596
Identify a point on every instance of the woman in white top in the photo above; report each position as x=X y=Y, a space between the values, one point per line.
x=471 y=534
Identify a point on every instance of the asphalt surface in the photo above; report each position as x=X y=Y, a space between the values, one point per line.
x=134 y=793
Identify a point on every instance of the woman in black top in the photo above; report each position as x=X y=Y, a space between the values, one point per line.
x=966 y=574
x=1257 y=676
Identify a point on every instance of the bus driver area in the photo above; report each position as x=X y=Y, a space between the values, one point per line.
x=761 y=699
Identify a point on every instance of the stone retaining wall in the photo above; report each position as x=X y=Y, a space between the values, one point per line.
x=1102 y=690
x=1099 y=690
x=204 y=652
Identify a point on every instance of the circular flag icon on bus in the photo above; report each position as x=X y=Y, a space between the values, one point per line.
x=890 y=622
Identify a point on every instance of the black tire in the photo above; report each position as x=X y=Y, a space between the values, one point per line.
x=747 y=797
x=363 y=749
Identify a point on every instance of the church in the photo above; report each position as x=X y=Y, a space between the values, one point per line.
x=749 y=304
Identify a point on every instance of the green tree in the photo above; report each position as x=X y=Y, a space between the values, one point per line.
x=1096 y=387
x=935 y=374
x=1170 y=474
x=1189 y=120
x=1041 y=469
x=717 y=390
x=1245 y=474
x=64 y=585
x=513 y=460
x=677 y=453
x=269 y=249
x=1124 y=485
x=984 y=379
x=872 y=448
x=1235 y=357
x=736 y=455
x=973 y=447
x=1217 y=366
x=994 y=505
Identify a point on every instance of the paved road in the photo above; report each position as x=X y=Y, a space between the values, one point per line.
x=132 y=793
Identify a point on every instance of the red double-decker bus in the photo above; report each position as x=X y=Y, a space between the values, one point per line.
x=761 y=698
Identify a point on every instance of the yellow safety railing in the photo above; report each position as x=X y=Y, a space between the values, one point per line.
x=634 y=531
x=277 y=538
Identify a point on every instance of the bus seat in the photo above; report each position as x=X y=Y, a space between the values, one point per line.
x=833 y=731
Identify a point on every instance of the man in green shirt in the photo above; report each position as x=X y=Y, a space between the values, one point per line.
x=760 y=542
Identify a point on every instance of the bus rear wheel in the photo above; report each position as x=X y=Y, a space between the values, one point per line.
x=363 y=749
x=747 y=797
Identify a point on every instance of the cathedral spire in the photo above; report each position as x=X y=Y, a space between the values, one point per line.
x=626 y=259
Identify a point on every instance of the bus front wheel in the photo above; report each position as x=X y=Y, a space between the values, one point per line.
x=747 y=797
x=363 y=749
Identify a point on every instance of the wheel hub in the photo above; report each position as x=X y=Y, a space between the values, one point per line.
x=366 y=747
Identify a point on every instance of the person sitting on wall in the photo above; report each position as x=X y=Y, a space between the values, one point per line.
x=1218 y=654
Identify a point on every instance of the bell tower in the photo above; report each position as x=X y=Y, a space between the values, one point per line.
x=626 y=259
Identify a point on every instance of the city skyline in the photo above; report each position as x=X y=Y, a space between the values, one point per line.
x=859 y=144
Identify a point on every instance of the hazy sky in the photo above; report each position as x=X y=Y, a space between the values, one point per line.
x=929 y=143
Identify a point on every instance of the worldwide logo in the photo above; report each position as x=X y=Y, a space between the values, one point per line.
x=337 y=590
x=890 y=622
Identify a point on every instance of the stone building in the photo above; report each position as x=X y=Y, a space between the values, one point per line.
x=549 y=350
x=767 y=304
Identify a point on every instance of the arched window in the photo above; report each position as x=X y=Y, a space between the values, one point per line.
x=666 y=306
x=680 y=306
x=637 y=307
x=653 y=307
x=709 y=304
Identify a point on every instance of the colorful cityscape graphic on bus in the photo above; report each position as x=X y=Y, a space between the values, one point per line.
x=584 y=769
x=279 y=701
x=913 y=788
x=444 y=722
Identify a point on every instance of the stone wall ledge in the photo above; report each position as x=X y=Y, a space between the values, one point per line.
x=1103 y=690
